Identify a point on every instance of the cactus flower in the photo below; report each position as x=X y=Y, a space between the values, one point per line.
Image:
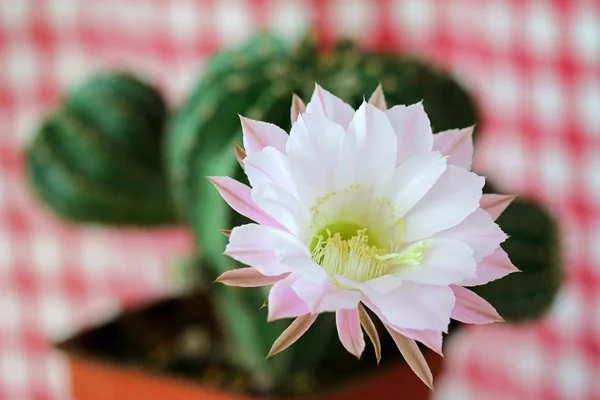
x=365 y=209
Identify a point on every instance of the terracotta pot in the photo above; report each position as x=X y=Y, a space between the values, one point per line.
x=98 y=372
x=96 y=380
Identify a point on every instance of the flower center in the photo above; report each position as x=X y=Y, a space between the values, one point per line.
x=355 y=258
x=357 y=235
x=349 y=254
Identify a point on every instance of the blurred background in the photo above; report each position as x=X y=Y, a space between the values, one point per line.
x=534 y=67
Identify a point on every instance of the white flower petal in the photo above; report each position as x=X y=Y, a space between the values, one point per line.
x=413 y=130
x=314 y=152
x=413 y=179
x=272 y=252
x=325 y=296
x=324 y=103
x=269 y=166
x=447 y=261
x=454 y=196
x=379 y=286
x=415 y=306
x=457 y=144
x=283 y=206
x=479 y=232
x=251 y=245
x=369 y=152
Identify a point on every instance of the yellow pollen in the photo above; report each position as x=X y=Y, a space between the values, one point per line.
x=352 y=258
x=355 y=259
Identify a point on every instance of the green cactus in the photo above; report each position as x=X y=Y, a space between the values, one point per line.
x=97 y=156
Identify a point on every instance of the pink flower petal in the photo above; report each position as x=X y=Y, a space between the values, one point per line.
x=298 y=108
x=495 y=266
x=413 y=179
x=431 y=339
x=472 y=309
x=349 y=331
x=453 y=197
x=238 y=196
x=413 y=130
x=292 y=333
x=259 y=134
x=495 y=204
x=478 y=231
x=446 y=261
x=314 y=151
x=457 y=144
x=377 y=99
x=253 y=245
x=371 y=139
x=284 y=302
x=369 y=327
x=269 y=166
x=325 y=296
x=413 y=356
x=247 y=277
x=324 y=103
x=414 y=306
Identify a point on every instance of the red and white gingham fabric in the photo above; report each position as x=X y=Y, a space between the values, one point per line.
x=534 y=66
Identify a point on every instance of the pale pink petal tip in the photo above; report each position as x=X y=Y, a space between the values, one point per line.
x=349 y=331
x=495 y=266
x=247 y=277
x=495 y=204
x=298 y=108
x=369 y=327
x=258 y=134
x=324 y=103
x=457 y=145
x=472 y=309
x=377 y=99
x=292 y=333
x=413 y=356
x=237 y=195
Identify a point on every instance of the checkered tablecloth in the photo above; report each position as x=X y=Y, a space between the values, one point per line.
x=534 y=66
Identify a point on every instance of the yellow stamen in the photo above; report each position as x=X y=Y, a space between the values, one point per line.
x=355 y=259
